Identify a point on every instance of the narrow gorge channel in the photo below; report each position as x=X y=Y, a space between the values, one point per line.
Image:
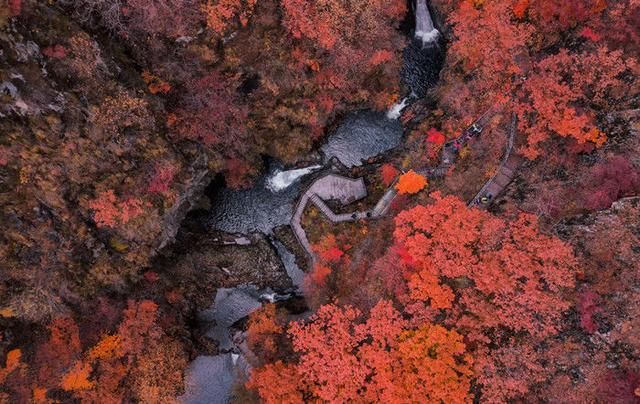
x=262 y=214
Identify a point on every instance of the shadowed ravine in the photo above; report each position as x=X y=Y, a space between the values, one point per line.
x=271 y=202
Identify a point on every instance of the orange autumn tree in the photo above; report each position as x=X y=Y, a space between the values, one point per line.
x=330 y=46
x=411 y=183
x=263 y=330
x=320 y=284
x=111 y=211
x=343 y=357
x=488 y=67
x=563 y=91
x=554 y=95
x=331 y=22
x=138 y=355
x=58 y=354
x=12 y=364
x=491 y=279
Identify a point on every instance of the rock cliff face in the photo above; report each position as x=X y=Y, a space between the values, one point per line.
x=91 y=185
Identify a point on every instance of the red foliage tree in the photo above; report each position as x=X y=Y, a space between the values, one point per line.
x=15 y=7
x=239 y=173
x=212 y=113
x=263 y=330
x=436 y=137
x=619 y=386
x=557 y=84
x=587 y=308
x=328 y=22
x=327 y=25
x=608 y=181
x=162 y=178
x=389 y=174
x=516 y=270
x=555 y=95
x=111 y=212
x=221 y=13
x=490 y=64
x=490 y=277
x=139 y=356
x=555 y=16
x=277 y=383
x=54 y=357
x=382 y=359
x=55 y=52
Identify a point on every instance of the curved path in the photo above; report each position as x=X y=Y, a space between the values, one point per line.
x=348 y=190
x=336 y=187
x=503 y=176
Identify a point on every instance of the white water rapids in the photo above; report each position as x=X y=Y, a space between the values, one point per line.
x=280 y=180
x=396 y=110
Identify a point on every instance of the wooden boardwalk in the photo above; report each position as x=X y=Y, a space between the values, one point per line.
x=503 y=176
x=348 y=190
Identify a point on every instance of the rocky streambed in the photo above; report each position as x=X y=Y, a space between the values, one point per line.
x=245 y=243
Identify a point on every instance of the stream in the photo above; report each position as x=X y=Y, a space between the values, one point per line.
x=270 y=202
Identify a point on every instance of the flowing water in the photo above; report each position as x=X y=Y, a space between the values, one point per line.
x=363 y=135
x=396 y=109
x=270 y=202
x=256 y=209
x=425 y=30
x=281 y=180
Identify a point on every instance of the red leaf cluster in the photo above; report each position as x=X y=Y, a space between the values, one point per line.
x=110 y=211
x=381 y=359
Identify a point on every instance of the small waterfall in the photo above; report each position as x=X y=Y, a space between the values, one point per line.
x=425 y=29
x=280 y=180
x=396 y=110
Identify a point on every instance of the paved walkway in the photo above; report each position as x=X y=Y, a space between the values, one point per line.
x=348 y=190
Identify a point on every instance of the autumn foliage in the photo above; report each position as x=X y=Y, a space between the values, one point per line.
x=446 y=240
x=559 y=82
x=263 y=330
x=220 y=14
x=608 y=181
x=212 y=112
x=343 y=357
x=556 y=93
x=110 y=211
x=389 y=174
x=411 y=183
x=137 y=360
x=454 y=272
x=117 y=114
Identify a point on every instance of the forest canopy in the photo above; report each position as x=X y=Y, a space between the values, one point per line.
x=489 y=253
